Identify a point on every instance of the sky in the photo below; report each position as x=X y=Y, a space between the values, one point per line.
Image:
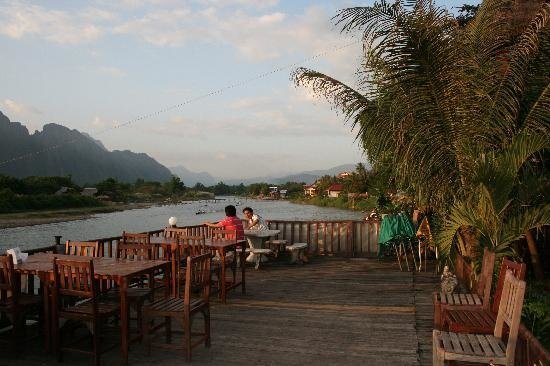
x=204 y=84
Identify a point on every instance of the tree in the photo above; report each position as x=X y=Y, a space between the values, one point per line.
x=358 y=181
x=221 y=188
x=256 y=189
x=435 y=99
x=467 y=13
x=199 y=187
x=324 y=183
x=175 y=185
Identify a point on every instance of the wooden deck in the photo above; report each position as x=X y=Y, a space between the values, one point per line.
x=332 y=311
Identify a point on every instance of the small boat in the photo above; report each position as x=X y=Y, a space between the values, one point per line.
x=199 y=212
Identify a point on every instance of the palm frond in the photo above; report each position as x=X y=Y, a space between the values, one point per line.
x=506 y=104
x=516 y=225
x=345 y=98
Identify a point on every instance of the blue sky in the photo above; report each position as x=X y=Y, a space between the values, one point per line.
x=96 y=65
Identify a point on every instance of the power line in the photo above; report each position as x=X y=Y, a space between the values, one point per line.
x=186 y=102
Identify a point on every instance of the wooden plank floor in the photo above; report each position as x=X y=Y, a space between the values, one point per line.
x=332 y=311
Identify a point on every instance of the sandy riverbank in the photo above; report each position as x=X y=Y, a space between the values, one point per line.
x=48 y=217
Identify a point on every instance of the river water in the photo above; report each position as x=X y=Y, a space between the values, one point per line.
x=153 y=218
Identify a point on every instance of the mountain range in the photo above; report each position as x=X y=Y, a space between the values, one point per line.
x=191 y=178
x=59 y=151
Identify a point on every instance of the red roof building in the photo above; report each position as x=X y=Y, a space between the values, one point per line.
x=334 y=190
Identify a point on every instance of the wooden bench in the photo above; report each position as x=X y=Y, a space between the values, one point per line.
x=297 y=252
x=481 y=320
x=486 y=348
x=479 y=299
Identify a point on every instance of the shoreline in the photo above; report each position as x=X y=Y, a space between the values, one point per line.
x=31 y=218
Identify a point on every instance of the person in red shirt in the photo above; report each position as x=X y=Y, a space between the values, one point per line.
x=230 y=222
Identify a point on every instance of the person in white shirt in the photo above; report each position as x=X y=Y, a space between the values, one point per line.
x=255 y=222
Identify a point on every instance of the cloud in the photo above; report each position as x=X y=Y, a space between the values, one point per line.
x=102 y=125
x=257 y=31
x=162 y=28
x=29 y=115
x=17 y=108
x=18 y=19
x=242 y=3
x=112 y=71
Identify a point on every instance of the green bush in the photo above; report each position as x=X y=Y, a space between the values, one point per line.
x=536 y=312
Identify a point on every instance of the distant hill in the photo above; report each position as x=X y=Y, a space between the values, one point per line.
x=311 y=176
x=190 y=178
x=78 y=154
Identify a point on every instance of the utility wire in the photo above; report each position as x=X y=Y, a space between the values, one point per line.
x=186 y=102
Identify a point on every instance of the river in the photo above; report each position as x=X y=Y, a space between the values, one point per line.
x=153 y=218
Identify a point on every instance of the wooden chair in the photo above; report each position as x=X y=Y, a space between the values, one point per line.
x=481 y=319
x=486 y=348
x=190 y=246
x=223 y=234
x=82 y=248
x=481 y=298
x=184 y=308
x=139 y=290
x=230 y=257
x=135 y=238
x=174 y=232
x=75 y=279
x=134 y=251
x=14 y=304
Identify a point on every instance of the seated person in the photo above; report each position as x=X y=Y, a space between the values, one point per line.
x=255 y=222
x=230 y=222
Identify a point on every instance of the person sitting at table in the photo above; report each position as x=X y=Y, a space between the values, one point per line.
x=255 y=222
x=231 y=222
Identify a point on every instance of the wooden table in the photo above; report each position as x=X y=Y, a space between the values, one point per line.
x=222 y=246
x=121 y=271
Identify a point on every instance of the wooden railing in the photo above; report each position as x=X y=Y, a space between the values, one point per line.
x=350 y=238
x=339 y=238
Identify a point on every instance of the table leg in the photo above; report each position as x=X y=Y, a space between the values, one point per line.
x=124 y=321
x=48 y=325
x=243 y=268
x=222 y=276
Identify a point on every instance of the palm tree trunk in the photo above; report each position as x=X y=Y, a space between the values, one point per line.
x=532 y=246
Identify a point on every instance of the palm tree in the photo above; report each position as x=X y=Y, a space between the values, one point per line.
x=445 y=105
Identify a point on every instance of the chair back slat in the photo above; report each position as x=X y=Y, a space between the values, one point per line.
x=483 y=288
x=192 y=246
x=134 y=251
x=509 y=311
x=518 y=269
x=75 y=278
x=82 y=248
x=135 y=238
x=174 y=232
x=197 y=277
x=223 y=234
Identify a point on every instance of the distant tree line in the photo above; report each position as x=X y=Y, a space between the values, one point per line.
x=42 y=193
x=38 y=193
